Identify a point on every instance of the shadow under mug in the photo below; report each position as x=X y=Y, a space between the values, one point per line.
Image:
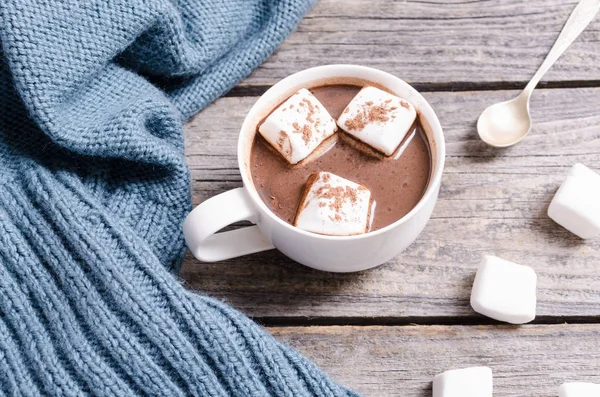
x=328 y=253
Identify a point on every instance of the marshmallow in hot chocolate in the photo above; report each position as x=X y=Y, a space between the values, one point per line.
x=298 y=126
x=379 y=119
x=333 y=206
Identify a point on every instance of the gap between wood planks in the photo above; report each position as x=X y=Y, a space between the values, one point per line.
x=257 y=90
x=412 y=321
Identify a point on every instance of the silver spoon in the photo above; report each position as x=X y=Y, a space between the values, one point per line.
x=507 y=123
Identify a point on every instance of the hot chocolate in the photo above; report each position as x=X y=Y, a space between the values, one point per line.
x=396 y=182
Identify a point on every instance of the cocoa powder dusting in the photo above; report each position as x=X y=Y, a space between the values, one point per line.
x=378 y=114
x=311 y=108
x=305 y=130
x=320 y=191
x=311 y=111
x=356 y=123
x=337 y=199
x=335 y=218
x=370 y=113
x=306 y=133
x=283 y=138
x=336 y=195
x=351 y=194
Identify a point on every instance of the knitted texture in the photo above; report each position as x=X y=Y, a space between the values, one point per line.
x=93 y=192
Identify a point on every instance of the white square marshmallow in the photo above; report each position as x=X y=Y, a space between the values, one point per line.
x=298 y=126
x=576 y=204
x=467 y=382
x=379 y=119
x=504 y=291
x=334 y=206
x=579 y=389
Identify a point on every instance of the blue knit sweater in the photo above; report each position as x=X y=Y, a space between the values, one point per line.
x=94 y=189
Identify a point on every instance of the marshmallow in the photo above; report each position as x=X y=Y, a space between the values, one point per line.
x=467 y=382
x=298 y=126
x=579 y=389
x=333 y=205
x=379 y=119
x=504 y=291
x=576 y=204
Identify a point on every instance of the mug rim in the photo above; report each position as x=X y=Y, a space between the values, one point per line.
x=434 y=124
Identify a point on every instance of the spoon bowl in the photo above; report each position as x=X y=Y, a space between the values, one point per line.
x=506 y=123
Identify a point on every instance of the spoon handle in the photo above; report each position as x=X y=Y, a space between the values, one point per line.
x=580 y=18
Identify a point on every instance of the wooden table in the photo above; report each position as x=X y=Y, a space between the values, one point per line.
x=388 y=331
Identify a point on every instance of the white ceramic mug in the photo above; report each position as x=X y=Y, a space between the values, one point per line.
x=329 y=253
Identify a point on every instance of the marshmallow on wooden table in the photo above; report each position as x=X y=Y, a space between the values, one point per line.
x=334 y=206
x=467 y=382
x=579 y=389
x=298 y=126
x=576 y=204
x=377 y=118
x=504 y=291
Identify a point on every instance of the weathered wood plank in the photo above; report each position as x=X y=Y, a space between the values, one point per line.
x=402 y=361
x=437 y=41
x=492 y=201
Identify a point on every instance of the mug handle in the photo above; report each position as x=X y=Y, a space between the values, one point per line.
x=202 y=224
